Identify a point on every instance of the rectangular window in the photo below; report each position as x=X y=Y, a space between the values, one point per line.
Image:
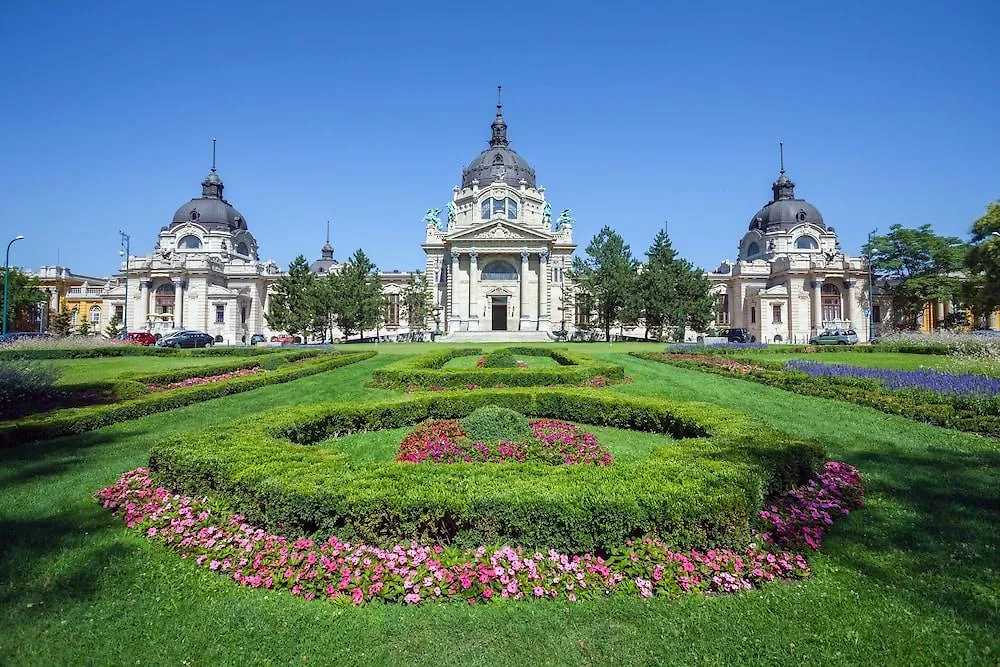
x=243 y=315
x=75 y=317
x=512 y=209
x=877 y=313
x=776 y=313
x=722 y=309
x=220 y=314
x=120 y=312
x=499 y=205
x=485 y=209
x=582 y=314
x=392 y=310
x=753 y=314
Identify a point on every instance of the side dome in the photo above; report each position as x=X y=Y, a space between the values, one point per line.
x=210 y=210
x=785 y=210
x=499 y=162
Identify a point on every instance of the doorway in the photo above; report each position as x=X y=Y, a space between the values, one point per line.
x=499 y=312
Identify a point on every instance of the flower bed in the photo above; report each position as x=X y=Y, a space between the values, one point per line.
x=939 y=382
x=413 y=573
x=555 y=443
x=207 y=379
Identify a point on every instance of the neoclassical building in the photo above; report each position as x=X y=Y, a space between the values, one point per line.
x=791 y=278
x=203 y=274
x=498 y=263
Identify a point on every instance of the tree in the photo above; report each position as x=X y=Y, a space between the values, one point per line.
x=61 y=323
x=672 y=293
x=358 y=303
x=83 y=329
x=983 y=262
x=917 y=266
x=23 y=293
x=418 y=301
x=114 y=327
x=607 y=277
x=292 y=306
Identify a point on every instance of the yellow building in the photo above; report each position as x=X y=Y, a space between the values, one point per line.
x=82 y=296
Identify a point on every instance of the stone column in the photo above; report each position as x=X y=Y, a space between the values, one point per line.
x=523 y=284
x=456 y=317
x=178 y=303
x=817 y=303
x=473 y=291
x=849 y=302
x=143 y=304
x=543 y=290
x=938 y=313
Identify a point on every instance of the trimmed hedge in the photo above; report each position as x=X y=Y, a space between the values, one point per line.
x=80 y=420
x=427 y=370
x=782 y=348
x=699 y=492
x=962 y=413
x=132 y=351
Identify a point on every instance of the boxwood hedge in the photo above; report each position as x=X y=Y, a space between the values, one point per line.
x=701 y=491
x=427 y=370
x=36 y=353
x=80 y=420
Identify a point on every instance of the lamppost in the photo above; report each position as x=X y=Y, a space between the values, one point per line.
x=6 y=279
x=125 y=252
x=437 y=322
x=562 y=321
x=871 y=291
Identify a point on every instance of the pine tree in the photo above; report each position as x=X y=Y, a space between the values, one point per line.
x=114 y=327
x=292 y=306
x=608 y=279
x=83 y=329
x=358 y=303
x=61 y=323
x=672 y=293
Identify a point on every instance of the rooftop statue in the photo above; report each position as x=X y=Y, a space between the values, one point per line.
x=433 y=217
x=547 y=213
x=564 y=219
x=452 y=213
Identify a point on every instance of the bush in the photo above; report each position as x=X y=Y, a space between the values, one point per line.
x=81 y=420
x=705 y=492
x=499 y=359
x=23 y=383
x=493 y=423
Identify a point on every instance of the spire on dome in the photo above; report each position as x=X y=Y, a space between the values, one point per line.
x=783 y=187
x=212 y=185
x=327 y=250
x=499 y=126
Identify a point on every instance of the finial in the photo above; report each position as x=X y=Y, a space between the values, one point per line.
x=327 y=231
x=781 y=151
x=499 y=103
x=213 y=155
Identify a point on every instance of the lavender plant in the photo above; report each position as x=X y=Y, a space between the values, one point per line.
x=939 y=382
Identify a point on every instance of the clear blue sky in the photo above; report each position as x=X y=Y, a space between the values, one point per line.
x=365 y=114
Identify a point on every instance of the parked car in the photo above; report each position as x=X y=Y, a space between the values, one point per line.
x=136 y=338
x=23 y=335
x=257 y=338
x=285 y=338
x=738 y=335
x=835 y=337
x=187 y=339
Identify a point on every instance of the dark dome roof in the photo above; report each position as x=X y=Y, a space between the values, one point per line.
x=210 y=210
x=499 y=162
x=785 y=211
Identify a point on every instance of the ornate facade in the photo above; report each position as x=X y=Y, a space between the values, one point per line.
x=791 y=279
x=498 y=263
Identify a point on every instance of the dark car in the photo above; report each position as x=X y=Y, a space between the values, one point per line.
x=136 y=338
x=257 y=338
x=738 y=335
x=187 y=339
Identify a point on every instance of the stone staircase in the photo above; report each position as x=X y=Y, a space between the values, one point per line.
x=495 y=337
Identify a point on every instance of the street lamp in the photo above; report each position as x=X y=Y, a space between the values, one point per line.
x=437 y=321
x=871 y=299
x=125 y=252
x=6 y=279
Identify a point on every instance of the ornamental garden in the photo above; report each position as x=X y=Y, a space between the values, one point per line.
x=376 y=504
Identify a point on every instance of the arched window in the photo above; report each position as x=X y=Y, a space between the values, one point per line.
x=164 y=298
x=753 y=249
x=485 y=208
x=95 y=315
x=806 y=243
x=831 y=303
x=499 y=271
x=189 y=242
x=242 y=249
x=75 y=317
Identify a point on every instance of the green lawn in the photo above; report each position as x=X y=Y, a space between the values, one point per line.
x=951 y=364
x=73 y=371
x=910 y=579
x=470 y=362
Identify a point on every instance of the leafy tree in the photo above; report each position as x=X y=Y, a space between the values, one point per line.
x=114 y=327
x=83 y=329
x=323 y=302
x=292 y=306
x=917 y=266
x=608 y=277
x=358 y=303
x=983 y=262
x=61 y=323
x=23 y=293
x=672 y=293
x=418 y=301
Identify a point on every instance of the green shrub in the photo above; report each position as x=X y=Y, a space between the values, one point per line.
x=499 y=359
x=492 y=423
x=23 y=383
x=81 y=420
x=704 y=492
x=124 y=390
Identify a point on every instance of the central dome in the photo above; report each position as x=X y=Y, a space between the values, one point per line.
x=210 y=210
x=785 y=210
x=499 y=162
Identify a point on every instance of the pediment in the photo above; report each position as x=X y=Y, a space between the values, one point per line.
x=499 y=231
x=499 y=291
